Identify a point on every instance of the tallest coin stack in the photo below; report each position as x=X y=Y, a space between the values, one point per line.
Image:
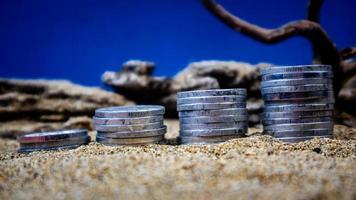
x=299 y=102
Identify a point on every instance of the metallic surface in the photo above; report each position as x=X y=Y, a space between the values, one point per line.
x=130 y=111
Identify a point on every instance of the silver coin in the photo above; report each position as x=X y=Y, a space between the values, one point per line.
x=293 y=82
x=322 y=100
x=299 y=126
x=129 y=141
x=312 y=132
x=214 y=132
x=211 y=99
x=297 y=88
x=292 y=75
x=298 y=96
x=206 y=140
x=130 y=111
x=213 y=92
x=60 y=148
x=296 y=114
x=127 y=121
x=213 y=119
x=213 y=125
x=58 y=143
x=52 y=135
x=213 y=113
x=298 y=107
x=300 y=139
x=210 y=106
x=297 y=68
x=274 y=121
x=134 y=134
x=135 y=127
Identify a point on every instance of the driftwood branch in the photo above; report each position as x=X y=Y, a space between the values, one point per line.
x=308 y=29
x=348 y=53
x=313 y=13
x=325 y=51
x=302 y=27
x=349 y=70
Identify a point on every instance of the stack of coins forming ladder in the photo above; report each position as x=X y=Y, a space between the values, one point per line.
x=54 y=140
x=130 y=125
x=299 y=102
x=211 y=116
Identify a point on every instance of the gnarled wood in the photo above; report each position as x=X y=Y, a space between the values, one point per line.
x=313 y=13
x=348 y=52
x=325 y=52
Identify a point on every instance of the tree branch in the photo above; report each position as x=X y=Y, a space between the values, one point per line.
x=348 y=53
x=324 y=49
x=313 y=13
x=349 y=69
x=301 y=27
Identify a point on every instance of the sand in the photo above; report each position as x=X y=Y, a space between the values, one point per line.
x=256 y=167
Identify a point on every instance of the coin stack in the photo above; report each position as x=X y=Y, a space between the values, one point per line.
x=299 y=102
x=54 y=140
x=211 y=116
x=130 y=125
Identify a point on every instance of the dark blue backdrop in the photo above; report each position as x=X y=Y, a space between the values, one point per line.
x=80 y=39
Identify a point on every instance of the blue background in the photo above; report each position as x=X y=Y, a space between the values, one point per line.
x=80 y=39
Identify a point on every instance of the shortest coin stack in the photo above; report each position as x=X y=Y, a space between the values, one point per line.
x=54 y=140
x=130 y=125
x=212 y=116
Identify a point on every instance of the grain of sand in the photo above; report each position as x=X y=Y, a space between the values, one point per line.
x=256 y=167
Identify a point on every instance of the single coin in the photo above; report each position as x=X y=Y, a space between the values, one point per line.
x=296 y=114
x=126 y=128
x=214 y=132
x=214 y=119
x=297 y=95
x=134 y=134
x=213 y=125
x=206 y=140
x=211 y=99
x=60 y=148
x=52 y=135
x=127 y=121
x=130 y=111
x=59 y=143
x=293 y=75
x=313 y=132
x=213 y=92
x=275 y=121
x=297 y=68
x=321 y=100
x=293 y=82
x=212 y=113
x=298 y=107
x=301 y=139
x=209 y=106
x=299 y=126
x=129 y=141
x=297 y=88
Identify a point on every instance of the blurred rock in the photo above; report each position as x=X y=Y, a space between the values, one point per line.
x=342 y=132
x=221 y=74
x=347 y=99
x=32 y=105
x=135 y=81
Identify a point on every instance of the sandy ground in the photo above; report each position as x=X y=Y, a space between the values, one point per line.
x=256 y=167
